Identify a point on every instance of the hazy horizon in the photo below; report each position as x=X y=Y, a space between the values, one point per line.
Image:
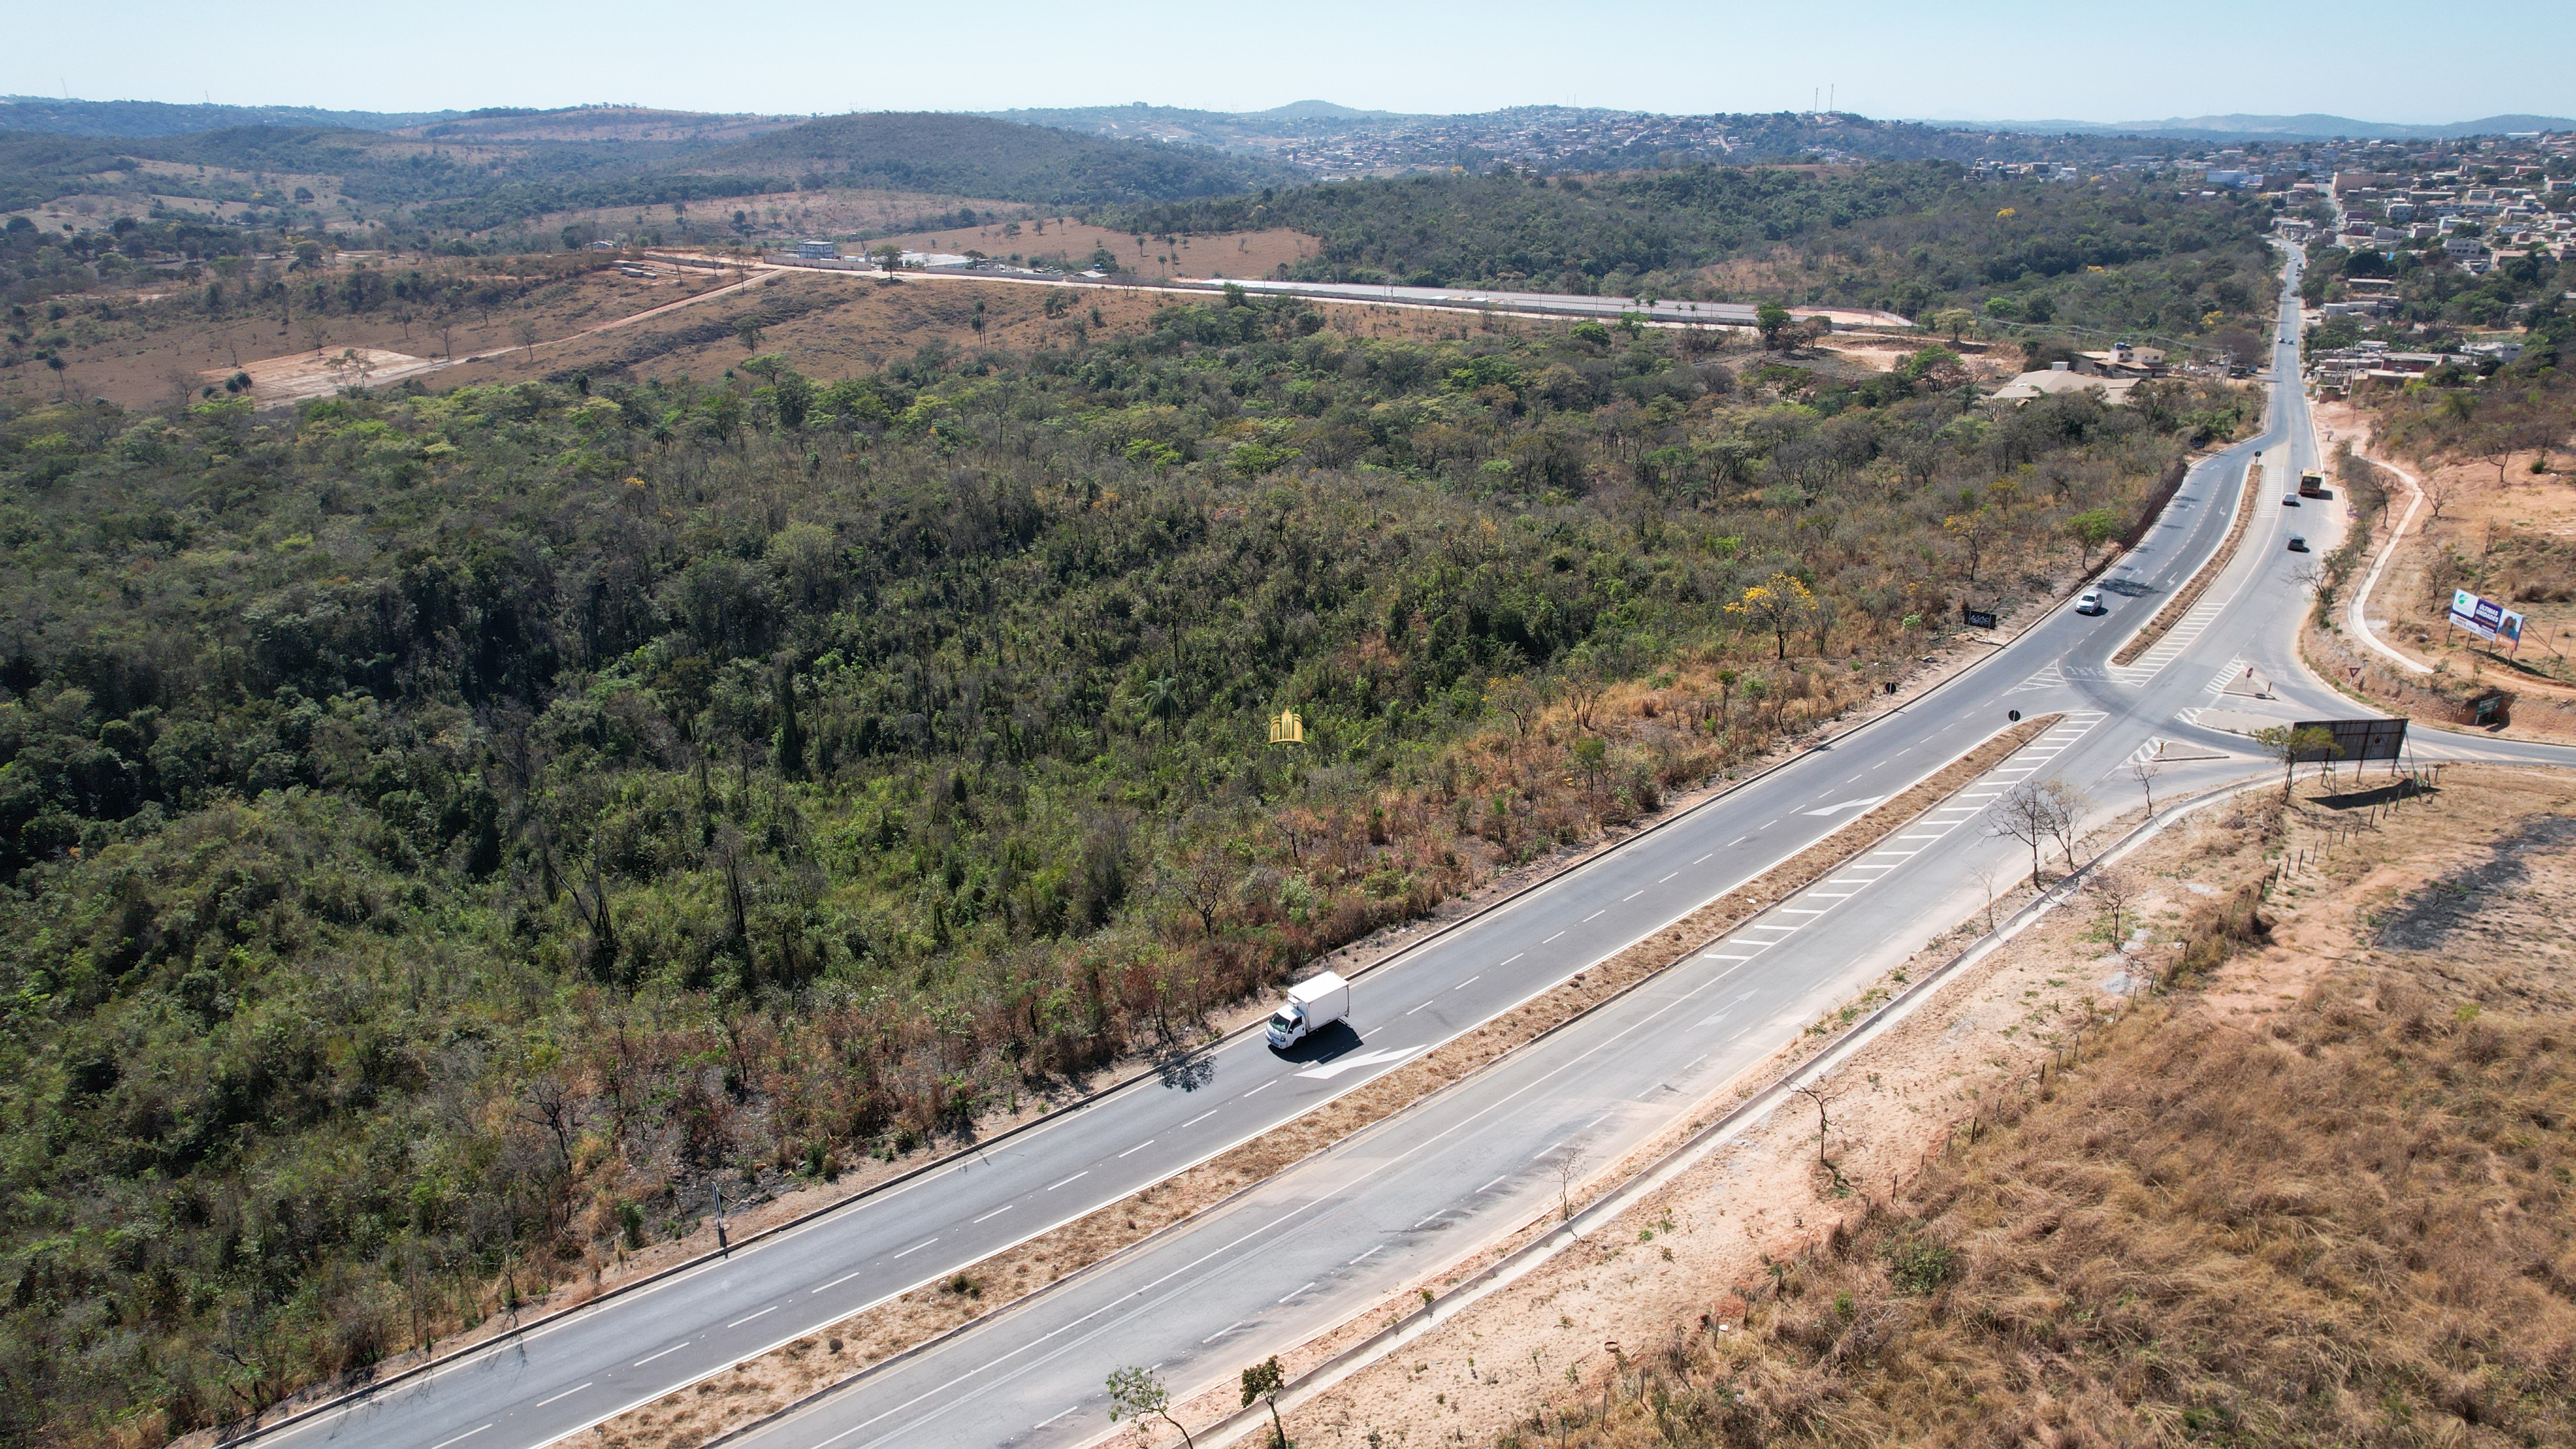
x=1972 y=63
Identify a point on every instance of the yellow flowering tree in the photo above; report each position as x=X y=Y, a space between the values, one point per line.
x=1779 y=603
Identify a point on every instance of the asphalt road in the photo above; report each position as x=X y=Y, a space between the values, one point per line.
x=1338 y=1231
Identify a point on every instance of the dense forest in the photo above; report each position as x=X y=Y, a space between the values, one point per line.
x=444 y=834
x=1915 y=238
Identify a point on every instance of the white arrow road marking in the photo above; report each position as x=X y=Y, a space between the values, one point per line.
x=1848 y=805
x=1330 y=1070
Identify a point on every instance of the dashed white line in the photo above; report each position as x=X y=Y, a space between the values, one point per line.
x=1552 y=939
x=1470 y=981
x=459 y=1439
x=1489 y=1187
x=1052 y=1186
x=1418 y=1008
x=1371 y=1253
x=1042 y=1423
x=1203 y=1116
x=746 y=1318
x=639 y=1363
x=995 y=1213
x=1596 y=915
x=1264 y=1087
x=844 y=1278
x=1630 y=896
x=1669 y=877
x=1294 y=1292
x=1139 y=1147
x=1220 y=1333
x=915 y=1248
x=566 y=1394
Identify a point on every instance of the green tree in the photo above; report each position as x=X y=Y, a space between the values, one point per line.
x=2091 y=529
x=1261 y=1384
x=1136 y=1393
x=1772 y=319
x=2294 y=744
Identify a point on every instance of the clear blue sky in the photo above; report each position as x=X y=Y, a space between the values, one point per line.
x=2373 y=59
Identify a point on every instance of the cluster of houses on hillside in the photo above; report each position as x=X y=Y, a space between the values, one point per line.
x=2477 y=225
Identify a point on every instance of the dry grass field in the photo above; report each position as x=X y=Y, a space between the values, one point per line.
x=2315 y=1193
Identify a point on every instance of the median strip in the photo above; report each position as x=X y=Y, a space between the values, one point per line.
x=2189 y=594
x=761 y=1388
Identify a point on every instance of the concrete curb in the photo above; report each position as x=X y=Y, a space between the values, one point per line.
x=1102 y=1264
x=1142 y=1075
x=1690 y=1153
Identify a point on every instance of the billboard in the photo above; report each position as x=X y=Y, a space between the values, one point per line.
x=2487 y=619
x=2356 y=739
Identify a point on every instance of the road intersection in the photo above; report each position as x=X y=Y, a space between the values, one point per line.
x=1334 y=1234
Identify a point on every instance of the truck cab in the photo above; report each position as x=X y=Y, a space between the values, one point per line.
x=1312 y=1005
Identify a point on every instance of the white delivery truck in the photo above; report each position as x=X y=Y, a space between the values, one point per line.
x=1312 y=1005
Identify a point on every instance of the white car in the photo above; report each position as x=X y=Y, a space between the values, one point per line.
x=2090 y=602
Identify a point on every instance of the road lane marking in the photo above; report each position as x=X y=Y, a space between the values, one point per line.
x=639 y=1363
x=1371 y=1253
x=1042 y=1423
x=1516 y=955
x=995 y=1213
x=1213 y=1337
x=837 y=1282
x=459 y=1439
x=1472 y=980
x=1713 y=956
x=1203 y=1116
x=1418 y=1008
x=1596 y=915
x=1669 y=877
x=1086 y=1172
x=1139 y=1147
x=1294 y=1292
x=915 y=1248
x=1488 y=1187
x=566 y=1394
x=1767 y=824
x=746 y=1318
x=1552 y=939
x=1799 y=911
x=1632 y=895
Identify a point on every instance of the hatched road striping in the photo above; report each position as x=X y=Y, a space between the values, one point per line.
x=1934 y=825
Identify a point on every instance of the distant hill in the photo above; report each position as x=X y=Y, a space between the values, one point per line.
x=1321 y=111
x=603 y=123
x=160 y=118
x=980 y=156
x=2308 y=127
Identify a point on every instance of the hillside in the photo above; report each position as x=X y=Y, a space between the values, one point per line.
x=979 y=156
x=159 y=118
x=2316 y=1195
x=1916 y=238
x=775 y=773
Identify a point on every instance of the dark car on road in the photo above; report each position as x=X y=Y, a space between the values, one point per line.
x=2289 y=500
x=2298 y=544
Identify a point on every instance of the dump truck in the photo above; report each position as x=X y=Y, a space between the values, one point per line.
x=2312 y=484
x=1313 y=1004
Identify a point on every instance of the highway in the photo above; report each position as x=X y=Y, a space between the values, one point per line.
x=1340 y=1230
